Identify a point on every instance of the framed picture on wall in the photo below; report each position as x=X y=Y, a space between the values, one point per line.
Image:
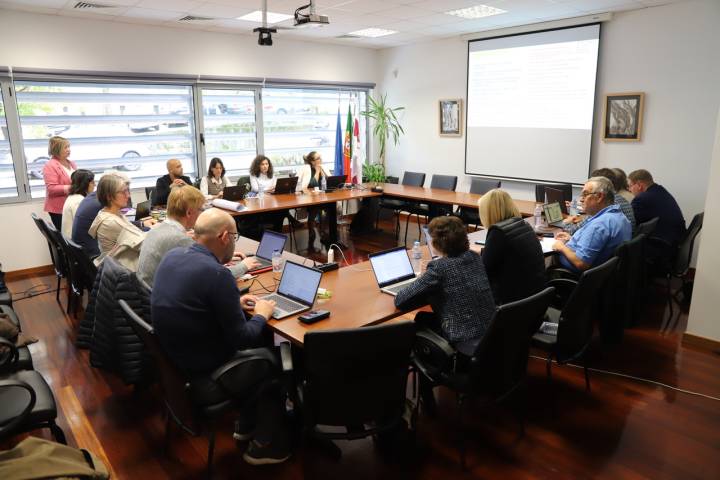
x=623 y=116
x=451 y=117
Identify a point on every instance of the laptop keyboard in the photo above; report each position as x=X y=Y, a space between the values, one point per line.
x=396 y=288
x=283 y=303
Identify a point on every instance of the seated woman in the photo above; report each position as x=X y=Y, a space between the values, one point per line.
x=116 y=235
x=455 y=285
x=512 y=256
x=309 y=178
x=82 y=182
x=215 y=181
x=261 y=175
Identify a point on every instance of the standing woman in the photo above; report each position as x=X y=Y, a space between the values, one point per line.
x=261 y=175
x=310 y=177
x=56 y=174
x=83 y=183
x=214 y=182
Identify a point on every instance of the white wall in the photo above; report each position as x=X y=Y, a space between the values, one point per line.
x=669 y=52
x=704 y=320
x=53 y=42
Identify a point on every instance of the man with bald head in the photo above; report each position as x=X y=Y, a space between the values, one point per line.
x=174 y=178
x=197 y=313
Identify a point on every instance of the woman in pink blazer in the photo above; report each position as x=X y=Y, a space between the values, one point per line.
x=56 y=174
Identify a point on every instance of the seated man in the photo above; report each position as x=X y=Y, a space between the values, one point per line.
x=652 y=200
x=84 y=217
x=198 y=317
x=184 y=206
x=173 y=178
x=597 y=239
x=619 y=200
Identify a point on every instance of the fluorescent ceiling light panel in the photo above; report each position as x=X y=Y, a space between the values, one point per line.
x=372 y=32
x=478 y=11
x=272 y=17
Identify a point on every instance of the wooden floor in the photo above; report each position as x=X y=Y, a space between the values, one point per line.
x=624 y=428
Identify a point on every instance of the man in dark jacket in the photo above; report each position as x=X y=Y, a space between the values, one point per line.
x=173 y=178
x=198 y=316
x=652 y=200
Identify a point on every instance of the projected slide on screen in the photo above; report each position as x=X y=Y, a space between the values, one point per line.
x=530 y=105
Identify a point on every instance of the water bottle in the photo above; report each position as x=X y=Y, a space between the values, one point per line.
x=416 y=257
x=538 y=216
x=277 y=264
x=323 y=183
x=261 y=192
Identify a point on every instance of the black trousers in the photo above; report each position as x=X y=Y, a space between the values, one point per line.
x=56 y=220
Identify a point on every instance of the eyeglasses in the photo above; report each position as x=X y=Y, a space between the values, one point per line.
x=235 y=236
x=587 y=194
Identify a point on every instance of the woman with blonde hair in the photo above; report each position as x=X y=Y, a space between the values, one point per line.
x=310 y=177
x=56 y=174
x=513 y=258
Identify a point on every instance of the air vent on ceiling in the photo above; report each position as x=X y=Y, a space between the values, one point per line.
x=192 y=18
x=87 y=5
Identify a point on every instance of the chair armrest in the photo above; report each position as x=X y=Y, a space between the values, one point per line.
x=562 y=283
x=561 y=272
x=11 y=359
x=661 y=242
x=20 y=419
x=286 y=357
x=563 y=289
x=432 y=354
x=246 y=356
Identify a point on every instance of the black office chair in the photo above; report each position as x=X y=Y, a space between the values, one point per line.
x=13 y=358
x=410 y=179
x=244 y=180
x=441 y=182
x=493 y=367
x=76 y=278
x=181 y=406
x=622 y=290
x=480 y=186
x=150 y=195
x=27 y=404
x=355 y=378
x=575 y=320
x=55 y=254
x=647 y=228
x=566 y=188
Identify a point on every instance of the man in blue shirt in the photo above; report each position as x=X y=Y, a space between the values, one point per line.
x=84 y=217
x=199 y=321
x=597 y=239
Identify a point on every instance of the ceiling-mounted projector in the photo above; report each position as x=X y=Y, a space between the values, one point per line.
x=310 y=18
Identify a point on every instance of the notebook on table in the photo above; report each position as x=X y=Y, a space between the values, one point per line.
x=269 y=242
x=285 y=185
x=393 y=270
x=297 y=290
x=553 y=214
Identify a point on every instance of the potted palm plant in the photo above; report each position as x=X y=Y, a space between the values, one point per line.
x=386 y=123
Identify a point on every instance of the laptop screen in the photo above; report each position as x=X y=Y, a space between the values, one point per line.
x=553 y=195
x=270 y=242
x=391 y=266
x=299 y=282
x=553 y=213
x=428 y=240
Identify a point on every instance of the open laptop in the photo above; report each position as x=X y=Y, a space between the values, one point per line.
x=285 y=185
x=553 y=195
x=393 y=270
x=297 y=290
x=334 y=182
x=234 y=193
x=553 y=214
x=142 y=210
x=428 y=240
x=269 y=242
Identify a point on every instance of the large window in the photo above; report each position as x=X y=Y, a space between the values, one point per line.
x=127 y=127
x=229 y=128
x=8 y=184
x=298 y=121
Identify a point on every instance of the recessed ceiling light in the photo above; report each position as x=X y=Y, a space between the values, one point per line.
x=372 y=32
x=478 y=11
x=272 y=17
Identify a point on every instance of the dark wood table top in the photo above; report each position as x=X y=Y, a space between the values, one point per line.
x=436 y=195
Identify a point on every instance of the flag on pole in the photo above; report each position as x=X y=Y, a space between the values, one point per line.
x=347 y=147
x=358 y=155
x=338 y=168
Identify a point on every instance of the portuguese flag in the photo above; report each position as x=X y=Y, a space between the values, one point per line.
x=347 y=147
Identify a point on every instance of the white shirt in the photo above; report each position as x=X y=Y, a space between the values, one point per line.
x=68 y=213
x=262 y=182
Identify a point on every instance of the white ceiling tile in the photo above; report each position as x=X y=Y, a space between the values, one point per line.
x=404 y=12
x=29 y=8
x=49 y=4
x=402 y=26
x=594 y=6
x=219 y=11
x=172 y=5
x=150 y=14
x=439 y=19
x=444 y=6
